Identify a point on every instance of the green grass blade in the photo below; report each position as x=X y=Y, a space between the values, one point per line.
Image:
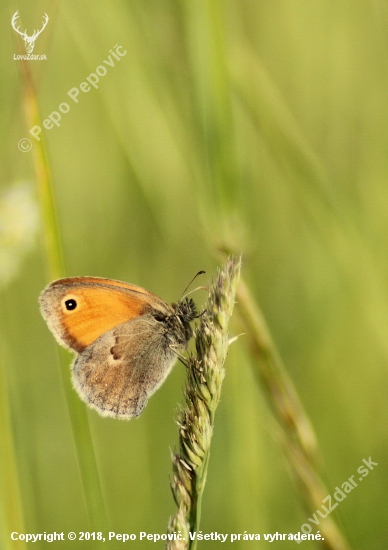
x=54 y=257
x=11 y=503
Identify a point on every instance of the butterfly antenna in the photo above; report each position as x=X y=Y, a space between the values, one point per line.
x=193 y=279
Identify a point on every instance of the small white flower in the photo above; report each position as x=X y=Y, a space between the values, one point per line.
x=18 y=228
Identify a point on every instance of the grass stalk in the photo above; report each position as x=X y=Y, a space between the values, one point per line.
x=11 y=506
x=205 y=374
x=296 y=430
x=56 y=268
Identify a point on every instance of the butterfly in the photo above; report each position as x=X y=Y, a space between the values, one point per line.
x=126 y=339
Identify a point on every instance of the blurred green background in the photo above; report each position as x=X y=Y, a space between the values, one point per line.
x=259 y=125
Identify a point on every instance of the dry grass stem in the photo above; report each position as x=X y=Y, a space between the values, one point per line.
x=295 y=428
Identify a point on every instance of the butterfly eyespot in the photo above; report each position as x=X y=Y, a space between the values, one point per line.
x=70 y=304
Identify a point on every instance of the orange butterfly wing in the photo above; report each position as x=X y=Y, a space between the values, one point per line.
x=97 y=305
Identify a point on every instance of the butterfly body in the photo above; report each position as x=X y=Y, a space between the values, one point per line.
x=127 y=339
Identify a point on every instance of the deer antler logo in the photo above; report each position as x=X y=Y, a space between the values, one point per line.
x=29 y=41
